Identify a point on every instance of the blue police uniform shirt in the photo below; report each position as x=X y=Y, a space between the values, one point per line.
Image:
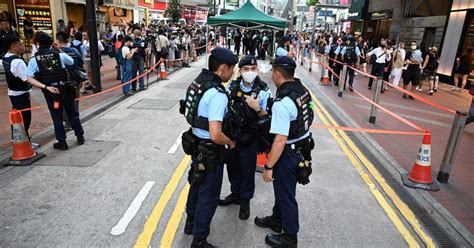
x=281 y=51
x=263 y=95
x=283 y=112
x=33 y=66
x=343 y=50
x=213 y=106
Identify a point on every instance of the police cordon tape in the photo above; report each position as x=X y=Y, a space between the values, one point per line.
x=414 y=95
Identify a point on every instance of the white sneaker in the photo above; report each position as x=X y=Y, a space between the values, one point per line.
x=35 y=146
x=453 y=88
x=419 y=89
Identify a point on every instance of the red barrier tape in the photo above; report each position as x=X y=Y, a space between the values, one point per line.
x=365 y=130
x=105 y=91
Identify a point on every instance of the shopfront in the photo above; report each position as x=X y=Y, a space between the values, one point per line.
x=119 y=12
x=383 y=19
x=143 y=7
x=356 y=15
x=76 y=11
x=458 y=38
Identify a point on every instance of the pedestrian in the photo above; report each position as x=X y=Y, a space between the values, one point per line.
x=429 y=68
x=331 y=58
x=237 y=40
x=462 y=70
x=126 y=56
x=5 y=30
x=412 y=73
x=163 y=47
x=350 y=55
x=283 y=47
x=138 y=61
x=398 y=61
x=87 y=60
x=117 y=45
x=205 y=106
x=470 y=118
x=173 y=48
x=338 y=63
x=61 y=26
x=18 y=82
x=248 y=97
x=71 y=28
x=380 y=56
x=289 y=159
x=48 y=66
x=28 y=29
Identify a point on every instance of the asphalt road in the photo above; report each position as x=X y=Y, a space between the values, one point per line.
x=127 y=187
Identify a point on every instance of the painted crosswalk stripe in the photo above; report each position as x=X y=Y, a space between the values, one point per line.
x=176 y=144
x=132 y=210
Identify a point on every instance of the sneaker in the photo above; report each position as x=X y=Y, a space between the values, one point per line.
x=81 y=140
x=454 y=88
x=411 y=98
x=431 y=92
x=129 y=93
x=461 y=90
x=90 y=87
x=405 y=96
x=369 y=88
x=84 y=92
x=268 y=222
x=435 y=90
x=60 y=145
x=35 y=146
x=418 y=89
x=141 y=89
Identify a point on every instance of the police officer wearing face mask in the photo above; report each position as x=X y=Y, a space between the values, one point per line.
x=247 y=103
x=204 y=107
x=289 y=161
x=49 y=67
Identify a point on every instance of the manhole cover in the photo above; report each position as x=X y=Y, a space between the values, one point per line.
x=155 y=104
x=172 y=85
x=80 y=156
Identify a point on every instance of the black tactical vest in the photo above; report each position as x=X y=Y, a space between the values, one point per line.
x=14 y=83
x=302 y=99
x=194 y=95
x=50 y=67
x=242 y=118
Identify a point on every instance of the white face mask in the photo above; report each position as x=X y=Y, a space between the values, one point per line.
x=249 y=76
x=413 y=48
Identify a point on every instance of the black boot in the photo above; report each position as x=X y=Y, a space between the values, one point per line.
x=230 y=199
x=200 y=243
x=60 y=145
x=281 y=240
x=244 y=211
x=188 y=226
x=268 y=222
x=80 y=140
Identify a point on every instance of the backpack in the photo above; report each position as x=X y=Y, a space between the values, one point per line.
x=350 y=56
x=78 y=47
x=332 y=51
x=119 y=56
x=433 y=65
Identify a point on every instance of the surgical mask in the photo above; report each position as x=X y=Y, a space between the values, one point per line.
x=413 y=48
x=249 y=76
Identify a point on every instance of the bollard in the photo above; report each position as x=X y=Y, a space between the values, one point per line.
x=310 y=60
x=342 y=80
x=373 y=109
x=452 y=147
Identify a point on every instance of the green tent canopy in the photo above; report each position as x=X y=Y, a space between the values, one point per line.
x=247 y=17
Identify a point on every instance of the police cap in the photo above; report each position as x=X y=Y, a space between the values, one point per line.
x=284 y=61
x=285 y=38
x=247 y=60
x=224 y=56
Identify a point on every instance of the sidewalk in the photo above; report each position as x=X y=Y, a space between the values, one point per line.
x=458 y=195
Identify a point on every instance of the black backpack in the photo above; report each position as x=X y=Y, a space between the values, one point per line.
x=350 y=56
x=332 y=51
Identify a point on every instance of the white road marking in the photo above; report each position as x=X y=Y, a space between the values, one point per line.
x=176 y=144
x=132 y=210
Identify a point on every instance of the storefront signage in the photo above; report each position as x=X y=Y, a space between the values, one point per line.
x=234 y=3
x=326 y=13
x=121 y=3
x=353 y=14
x=39 y=11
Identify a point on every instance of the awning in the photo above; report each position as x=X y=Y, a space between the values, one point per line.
x=248 y=17
x=125 y=4
x=356 y=10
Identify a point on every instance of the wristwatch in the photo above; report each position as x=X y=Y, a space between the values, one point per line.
x=267 y=167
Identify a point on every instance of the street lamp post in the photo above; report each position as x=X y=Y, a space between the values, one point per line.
x=93 y=44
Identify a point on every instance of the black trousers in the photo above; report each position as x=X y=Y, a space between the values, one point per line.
x=237 y=47
x=377 y=70
x=23 y=102
x=337 y=71
x=350 y=75
x=66 y=101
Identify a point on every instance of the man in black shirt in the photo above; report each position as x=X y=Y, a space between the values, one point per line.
x=5 y=30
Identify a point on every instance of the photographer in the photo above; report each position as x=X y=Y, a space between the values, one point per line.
x=138 y=59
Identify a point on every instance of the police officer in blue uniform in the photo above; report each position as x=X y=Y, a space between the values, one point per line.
x=289 y=161
x=247 y=104
x=350 y=55
x=204 y=107
x=48 y=66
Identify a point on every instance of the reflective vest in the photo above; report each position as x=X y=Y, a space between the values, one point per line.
x=14 y=83
x=302 y=99
x=50 y=67
x=194 y=94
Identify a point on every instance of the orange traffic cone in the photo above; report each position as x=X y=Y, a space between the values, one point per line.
x=261 y=161
x=23 y=153
x=163 y=72
x=420 y=175
x=325 y=77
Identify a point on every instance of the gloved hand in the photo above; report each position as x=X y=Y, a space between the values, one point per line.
x=196 y=175
x=303 y=172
